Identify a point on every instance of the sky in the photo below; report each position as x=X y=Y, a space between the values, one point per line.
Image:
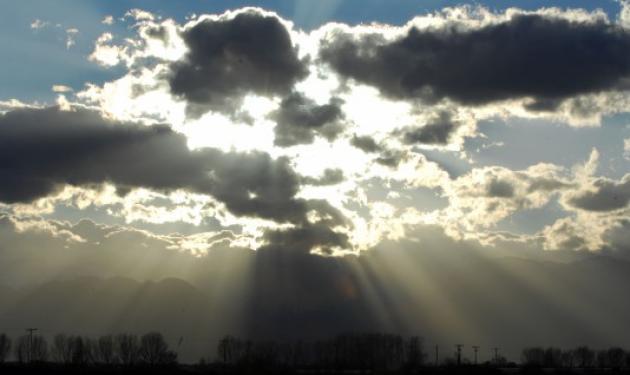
x=455 y=170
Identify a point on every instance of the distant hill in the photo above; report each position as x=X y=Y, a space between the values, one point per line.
x=447 y=298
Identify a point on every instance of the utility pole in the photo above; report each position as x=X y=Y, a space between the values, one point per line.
x=496 y=355
x=459 y=354
x=476 y=349
x=437 y=356
x=30 y=343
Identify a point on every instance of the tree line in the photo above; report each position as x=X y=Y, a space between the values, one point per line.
x=374 y=351
x=122 y=349
x=581 y=357
x=368 y=351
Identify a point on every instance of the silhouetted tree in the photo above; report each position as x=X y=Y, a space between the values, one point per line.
x=127 y=348
x=291 y=354
x=104 y=351
x=414 y=352
x=226 y=350
x=35 y=349
x=534 y=356
x=154 y=350
x=61 y=348
x=552 y=358
x=81 y=350
x=22 y=349
x=602 y=358
x=616 y=358
x=584 y=356
x=5 y=347
x=568 y=358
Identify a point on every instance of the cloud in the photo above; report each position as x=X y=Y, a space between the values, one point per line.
x=626 y=149
x=108 y=20
x=617 y=239
x=139 y=15
x=437 y=131
x=540 y=57
x=299 y=119
x=318 y=238
x=39 y=24
x=71 y=35
x=329 y=177
x=485 y=196
x=365 y=143
x=602 y=194
x=43 y=150
x=106 y=54
x=61 y=88
x=229 y=57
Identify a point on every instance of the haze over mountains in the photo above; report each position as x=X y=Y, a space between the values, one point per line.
x=443 y=296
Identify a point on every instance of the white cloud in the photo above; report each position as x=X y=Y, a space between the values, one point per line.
x=71 y=35
x=106 y=54
x=108 y=20
x=39 y=24
x=61 y=88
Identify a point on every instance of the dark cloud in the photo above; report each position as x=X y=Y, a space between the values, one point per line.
x=330 y=177
x=544 y=58
x=306 y=238
x=607 y=195
x=158 y=32
x=299 y=119
x=365 y=143
x=437 y=131
x=390 y=158
x=617 y=239
x=500 y=189
x=229 y=58
x=41 y=150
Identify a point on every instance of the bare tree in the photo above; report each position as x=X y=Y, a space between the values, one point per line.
x=225 y=350
x=154 y=350
x=105 y=350
x=61 y=349
x=80 y=350
x=127 y=348
x=533 y=356
x=22 y=348
x=568 y=358
x=553 y=358
x=5 y=347
x=616 y=357
x=584 y=356
x=39 y=349
x=415 y=354
x=602 y=359
x=33 y=349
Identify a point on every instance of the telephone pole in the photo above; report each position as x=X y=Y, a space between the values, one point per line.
x=496 y=355
x=459 y=354
x=437 y=356
x=30 y=343
x=476 y=349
